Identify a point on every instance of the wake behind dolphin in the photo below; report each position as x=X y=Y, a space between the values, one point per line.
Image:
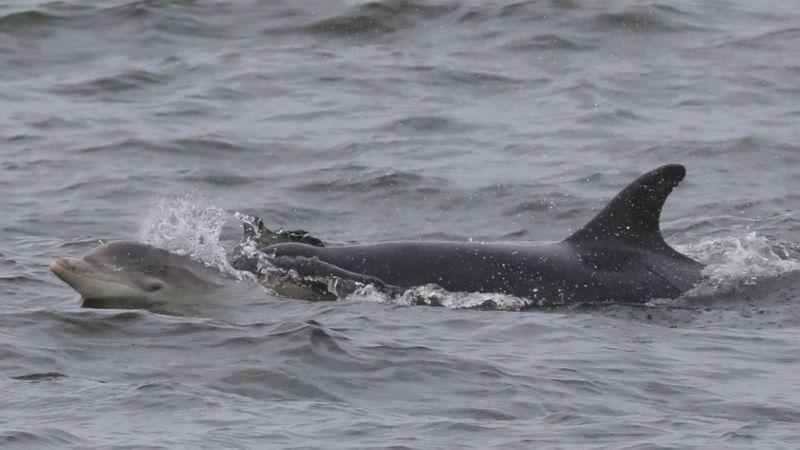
x=619 y=256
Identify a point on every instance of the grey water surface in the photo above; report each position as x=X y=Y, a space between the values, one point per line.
x=369 y=121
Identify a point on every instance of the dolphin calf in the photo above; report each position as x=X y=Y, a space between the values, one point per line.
x=133 y=275
x=618 y=256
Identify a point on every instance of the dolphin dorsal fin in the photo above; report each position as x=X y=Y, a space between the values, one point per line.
x=633 y=216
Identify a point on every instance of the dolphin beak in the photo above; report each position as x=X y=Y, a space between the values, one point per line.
x=68 y=268
x=62 y=265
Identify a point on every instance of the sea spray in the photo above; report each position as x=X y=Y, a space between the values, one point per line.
x=735 y=261
x=188 y=224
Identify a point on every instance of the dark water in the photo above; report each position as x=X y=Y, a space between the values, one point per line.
x=363 y=122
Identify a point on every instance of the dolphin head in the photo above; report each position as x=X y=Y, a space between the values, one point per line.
x=132 y=275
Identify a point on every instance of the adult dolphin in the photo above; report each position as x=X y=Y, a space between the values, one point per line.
x=618 y=256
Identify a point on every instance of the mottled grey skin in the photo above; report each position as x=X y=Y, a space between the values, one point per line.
x=132 y=275
x=618 y=256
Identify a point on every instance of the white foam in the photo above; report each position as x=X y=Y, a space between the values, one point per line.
x=735 y=261
x=362 y=293
x=434 y=295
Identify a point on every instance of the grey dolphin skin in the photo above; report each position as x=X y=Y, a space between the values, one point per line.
x=132 y=275
x=619 y=256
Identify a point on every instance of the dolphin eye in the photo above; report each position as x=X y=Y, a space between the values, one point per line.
x=152 y=287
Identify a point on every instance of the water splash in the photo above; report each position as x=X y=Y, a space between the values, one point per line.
x=433 y=295
x=188 y=224
x=249 y=246
x=736 y=261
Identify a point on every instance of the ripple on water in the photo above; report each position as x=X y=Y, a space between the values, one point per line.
x=379 y=18
x=42 y=437
x=427 y=124
x=205 y=147
x=768 y=40
x=653 y=19
x=30 y=24
x=377 y=182
x=217 y=178
x=130 y=80
x=545 y=42
x=44 y=376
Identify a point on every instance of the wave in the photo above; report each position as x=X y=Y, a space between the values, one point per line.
x=129 y=80
x=378 y=182
x=546 y=41
x=207 y=147
x=378 y=18
x=426 y=124
x=30 y=23
x=643 y=20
